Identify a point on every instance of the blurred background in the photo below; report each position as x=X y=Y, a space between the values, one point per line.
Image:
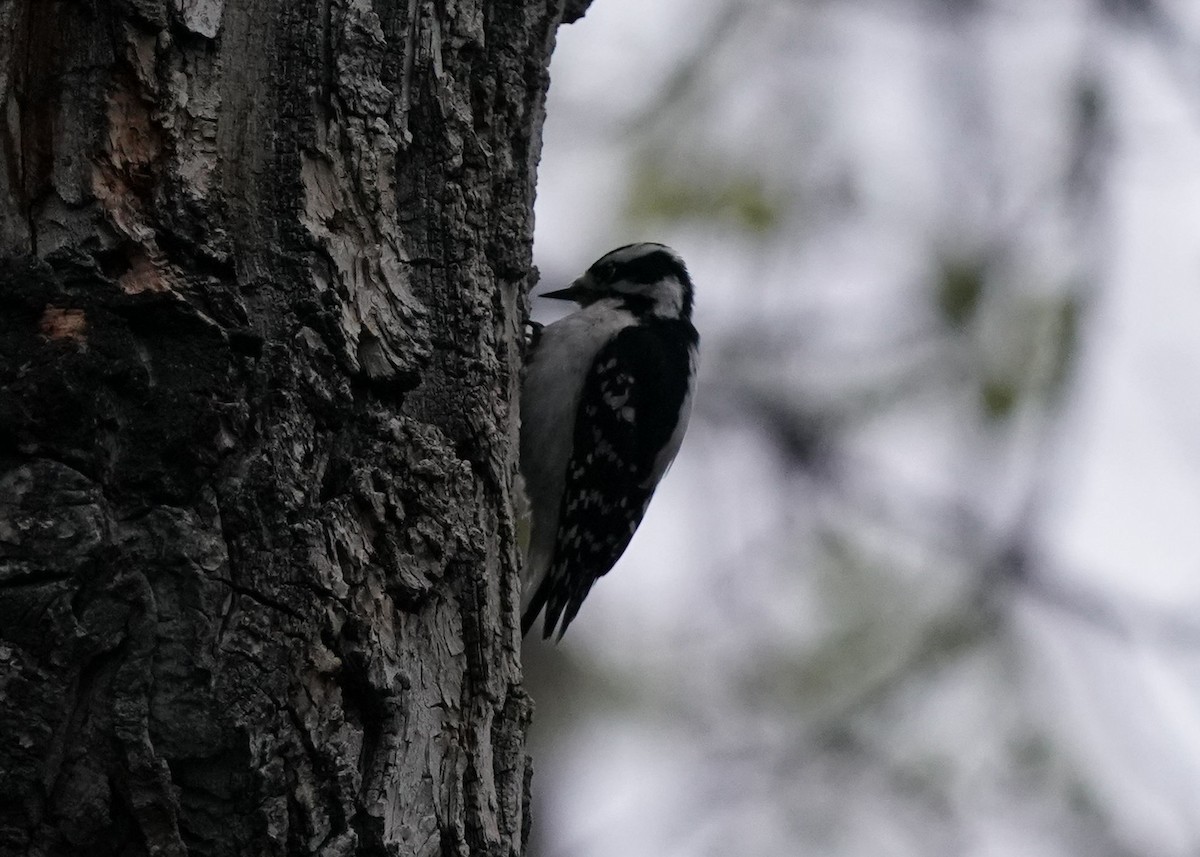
x=925 y=578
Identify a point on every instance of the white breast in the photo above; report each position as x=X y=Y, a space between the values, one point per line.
x=549 y=400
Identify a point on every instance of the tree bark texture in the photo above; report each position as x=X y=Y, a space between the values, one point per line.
x=263 y=267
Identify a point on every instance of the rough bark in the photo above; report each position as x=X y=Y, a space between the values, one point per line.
x=262 y=273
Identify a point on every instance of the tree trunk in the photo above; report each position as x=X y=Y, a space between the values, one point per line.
x=262 y=278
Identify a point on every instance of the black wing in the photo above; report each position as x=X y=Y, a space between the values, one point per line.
x=628 y=411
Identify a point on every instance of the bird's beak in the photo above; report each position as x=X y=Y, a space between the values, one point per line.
x=577 y=291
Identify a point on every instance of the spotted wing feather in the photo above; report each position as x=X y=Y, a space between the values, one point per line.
x=628 y=412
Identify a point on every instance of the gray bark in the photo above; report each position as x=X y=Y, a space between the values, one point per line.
x=263 y=266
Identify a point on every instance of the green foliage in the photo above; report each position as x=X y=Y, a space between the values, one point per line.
x=1032 y=347
x=1066 y=339
x=959 y=289
x=666 y=193
x=999 y=396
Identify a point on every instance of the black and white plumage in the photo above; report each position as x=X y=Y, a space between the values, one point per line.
x=604 y=406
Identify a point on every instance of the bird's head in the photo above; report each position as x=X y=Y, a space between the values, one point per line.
x=646 y=278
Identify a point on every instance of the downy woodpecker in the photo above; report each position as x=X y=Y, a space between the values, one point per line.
x=604 y=406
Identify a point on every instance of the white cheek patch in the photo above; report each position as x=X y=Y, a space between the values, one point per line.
x=666 y=296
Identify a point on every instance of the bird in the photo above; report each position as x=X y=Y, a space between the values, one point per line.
x=605 y=401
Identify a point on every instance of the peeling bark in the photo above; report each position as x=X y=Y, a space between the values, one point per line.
x=262 y=271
